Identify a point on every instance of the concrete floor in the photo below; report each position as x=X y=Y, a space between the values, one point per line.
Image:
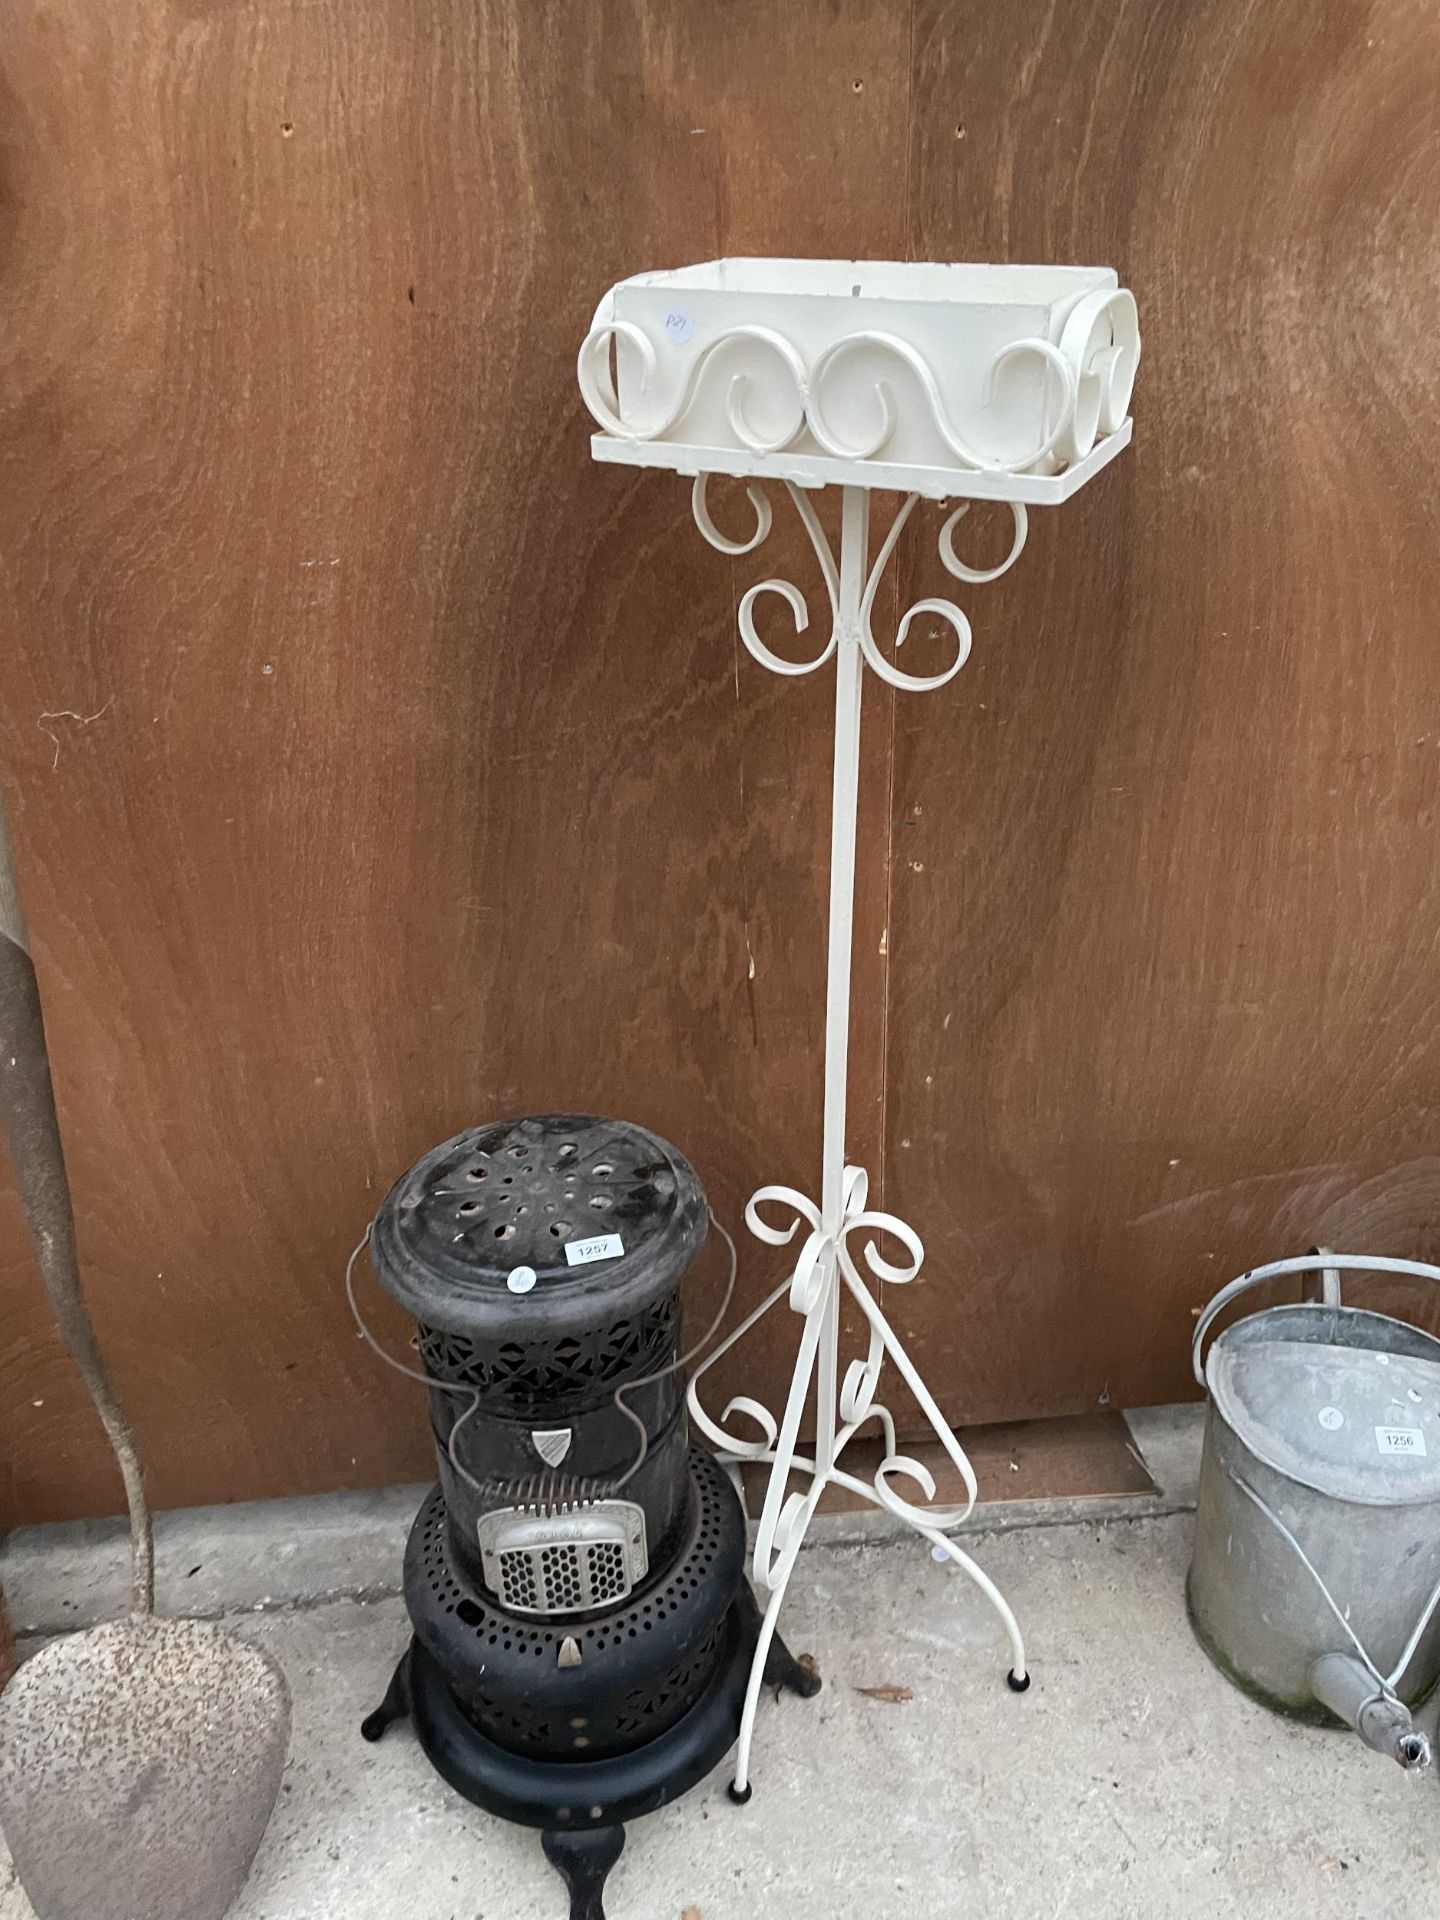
x=1131 y=1780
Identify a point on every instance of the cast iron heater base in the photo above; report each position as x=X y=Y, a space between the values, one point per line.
x=584 y=1634
x=582 y=1808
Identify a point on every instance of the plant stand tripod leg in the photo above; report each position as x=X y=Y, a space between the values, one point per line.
x=740 y=1788
x=395 y=1706
x=583 y=1860
x=1019 y=1674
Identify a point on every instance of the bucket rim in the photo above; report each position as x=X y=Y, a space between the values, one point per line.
x=1322 y=1260
x=1308 y=1308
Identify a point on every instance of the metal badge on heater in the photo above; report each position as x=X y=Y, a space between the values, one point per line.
x=551 y=1443
x=566 y=1559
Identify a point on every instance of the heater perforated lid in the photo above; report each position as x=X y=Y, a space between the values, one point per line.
x=550 y=1221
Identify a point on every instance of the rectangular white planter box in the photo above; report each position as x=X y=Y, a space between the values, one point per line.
x=997 y=382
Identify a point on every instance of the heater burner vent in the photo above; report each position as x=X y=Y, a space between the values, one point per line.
x=472 y=1638
x=558 y=1372
x=644 y=1661
x=563 y=1559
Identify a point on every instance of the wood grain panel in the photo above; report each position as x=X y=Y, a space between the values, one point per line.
x=1165 y=897
x=376 y=763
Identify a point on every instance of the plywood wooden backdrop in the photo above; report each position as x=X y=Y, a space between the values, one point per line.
x=377 y=764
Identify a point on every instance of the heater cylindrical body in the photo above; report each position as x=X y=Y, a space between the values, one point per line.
x=542 y=1259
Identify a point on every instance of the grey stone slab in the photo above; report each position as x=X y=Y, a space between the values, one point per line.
x=1131 y=1781
x=212 y=1560
x=281 y=1553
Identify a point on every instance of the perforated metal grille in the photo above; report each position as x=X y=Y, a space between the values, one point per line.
x=518 y=1192
x=494 y=1631
x=518 y=1585
x=560 y=1570
x=532 y=1195
x=558 y=1373
x=564 y=1579
x=636 y=1717
x=492 y=1658
x=569 y=1561
x=607 y=1571
x=640 y=1714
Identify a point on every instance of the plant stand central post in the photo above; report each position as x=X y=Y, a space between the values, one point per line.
x=1009 y=384
x=844 y=814
x=826 y=1266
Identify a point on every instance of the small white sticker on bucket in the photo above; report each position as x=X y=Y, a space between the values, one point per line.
x=1408 y=1440
x=1331 y=1418
x=601 y=1246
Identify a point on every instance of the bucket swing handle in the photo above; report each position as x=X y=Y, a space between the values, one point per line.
x=1329 y=1265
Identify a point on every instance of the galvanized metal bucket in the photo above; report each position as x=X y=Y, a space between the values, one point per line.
x=1315 y=1578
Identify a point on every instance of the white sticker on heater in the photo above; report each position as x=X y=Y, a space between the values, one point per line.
x=1407 y=1440
x=1331 y=1418
x=679 y=327
x=602 y=1246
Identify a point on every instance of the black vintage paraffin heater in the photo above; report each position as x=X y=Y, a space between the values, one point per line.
x=583 y=1628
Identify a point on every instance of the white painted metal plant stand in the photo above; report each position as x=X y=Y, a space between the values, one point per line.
x=941 y=382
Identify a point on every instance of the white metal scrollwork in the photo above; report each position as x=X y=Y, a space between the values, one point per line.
x=1089 y=377
x=966 y=454
x=945 y=610
x=840 y=1253
x=825 y=1262
x=598 y=388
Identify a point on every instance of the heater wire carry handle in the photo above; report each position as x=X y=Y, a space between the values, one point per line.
x=627 y=1387
x=1325 y=1262
x=675 y=1366
x=411 y=1373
